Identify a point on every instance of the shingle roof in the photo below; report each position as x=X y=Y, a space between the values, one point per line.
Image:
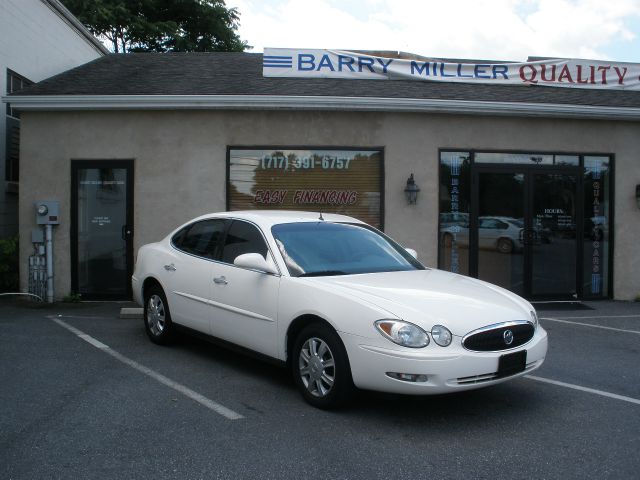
x=241 y=74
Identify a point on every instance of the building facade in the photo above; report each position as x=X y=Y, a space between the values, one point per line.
x=38 y=39
x=531 y=188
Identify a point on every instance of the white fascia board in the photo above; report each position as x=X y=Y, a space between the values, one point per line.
x=283 y=102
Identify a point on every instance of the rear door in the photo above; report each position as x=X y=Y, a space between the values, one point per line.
x=187 y=273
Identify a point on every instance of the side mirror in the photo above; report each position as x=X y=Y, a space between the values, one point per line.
x=254 y=261
x=412 y=252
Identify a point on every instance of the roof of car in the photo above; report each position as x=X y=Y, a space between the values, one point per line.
x=268 y=218
x=226 y=73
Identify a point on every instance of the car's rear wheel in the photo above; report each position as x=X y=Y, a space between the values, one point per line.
x=157 y=318
x=320 y=367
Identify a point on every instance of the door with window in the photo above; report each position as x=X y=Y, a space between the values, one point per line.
x=523 y=230
x=245 y=302
x=187 y=272
x=102 y=229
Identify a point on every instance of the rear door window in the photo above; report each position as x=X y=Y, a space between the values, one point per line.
x=201 y=238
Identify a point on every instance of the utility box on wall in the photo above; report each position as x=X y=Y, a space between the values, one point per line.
x=48 y=212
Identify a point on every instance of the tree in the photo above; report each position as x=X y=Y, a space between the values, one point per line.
x=162 y=25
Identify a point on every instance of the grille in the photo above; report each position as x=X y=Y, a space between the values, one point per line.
x=491 y=339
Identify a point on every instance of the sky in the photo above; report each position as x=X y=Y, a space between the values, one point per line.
x=472 y=29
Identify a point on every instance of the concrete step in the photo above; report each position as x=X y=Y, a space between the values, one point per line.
x=134 y=313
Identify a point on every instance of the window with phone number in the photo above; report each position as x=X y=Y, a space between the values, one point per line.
x=332 y=181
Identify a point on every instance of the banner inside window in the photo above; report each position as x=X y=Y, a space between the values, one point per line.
x=341 y=181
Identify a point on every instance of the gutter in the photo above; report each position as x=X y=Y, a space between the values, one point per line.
x=28 y=103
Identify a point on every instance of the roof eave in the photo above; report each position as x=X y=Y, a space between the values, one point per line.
x=331 y=103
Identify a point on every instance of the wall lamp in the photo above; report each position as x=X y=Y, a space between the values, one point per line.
x=638 y=195
x=411 y=190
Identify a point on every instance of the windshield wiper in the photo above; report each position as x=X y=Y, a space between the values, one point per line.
x=322 y=273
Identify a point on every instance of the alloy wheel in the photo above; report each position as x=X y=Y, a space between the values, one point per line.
x=155 y=315
x=317 y=367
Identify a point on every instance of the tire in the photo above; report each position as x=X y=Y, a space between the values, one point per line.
x=320 y=367
x=505 y=245
x=157 y=318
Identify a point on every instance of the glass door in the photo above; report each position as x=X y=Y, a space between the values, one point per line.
x=523 y=227
x=497 y=227
x=554 y=245
x=102 y=229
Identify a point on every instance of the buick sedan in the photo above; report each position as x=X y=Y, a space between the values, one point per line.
x=338 y=302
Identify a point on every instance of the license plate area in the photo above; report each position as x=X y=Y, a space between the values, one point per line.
x=512 y=363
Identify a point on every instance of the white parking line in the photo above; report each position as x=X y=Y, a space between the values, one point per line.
x=584 y=389
x=202 y=400
x=590 y=325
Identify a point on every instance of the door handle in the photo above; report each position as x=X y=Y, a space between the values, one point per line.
x=125 y=232
x=170 y=268
x=220 y=280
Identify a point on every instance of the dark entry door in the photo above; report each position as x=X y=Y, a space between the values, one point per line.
x=102 y=229
x=523 y=230
x=553 y=244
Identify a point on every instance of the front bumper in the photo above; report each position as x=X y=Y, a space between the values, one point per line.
x=447 y=369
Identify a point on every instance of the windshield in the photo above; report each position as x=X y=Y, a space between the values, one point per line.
x=324 y=248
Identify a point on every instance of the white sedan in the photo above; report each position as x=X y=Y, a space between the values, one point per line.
x=338 y=302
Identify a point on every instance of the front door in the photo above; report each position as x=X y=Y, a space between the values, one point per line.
x=102 y=228
x=553 y=239
x=523 y=230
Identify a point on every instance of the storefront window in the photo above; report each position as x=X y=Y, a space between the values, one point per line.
x=532 y=235
x=596 y=238
x=342 y=181
x=454 y=212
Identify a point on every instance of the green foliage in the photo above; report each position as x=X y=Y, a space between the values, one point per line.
x=72 y=297
x=9 y=278
x=162 y=25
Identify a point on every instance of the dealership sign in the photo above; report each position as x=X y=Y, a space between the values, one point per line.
x=310 y=63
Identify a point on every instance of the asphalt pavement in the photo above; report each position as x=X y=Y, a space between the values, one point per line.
x=86 y=395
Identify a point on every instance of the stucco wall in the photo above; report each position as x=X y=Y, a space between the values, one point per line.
x=180 y=165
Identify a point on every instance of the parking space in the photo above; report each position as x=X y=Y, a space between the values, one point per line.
x=73 y=409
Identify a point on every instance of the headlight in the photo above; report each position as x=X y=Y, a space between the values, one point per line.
x=441 y=335
x=403 y=333
x=534 y=319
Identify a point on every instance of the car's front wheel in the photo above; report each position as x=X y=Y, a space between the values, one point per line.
x=157 y=318
x=505 y=245
x=320 y=367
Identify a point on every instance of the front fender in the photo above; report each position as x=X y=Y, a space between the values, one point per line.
x=339 y=307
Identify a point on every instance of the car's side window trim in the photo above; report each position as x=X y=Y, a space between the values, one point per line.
x=218 y=254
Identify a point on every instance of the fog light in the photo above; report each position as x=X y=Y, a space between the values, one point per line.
x=408 y=377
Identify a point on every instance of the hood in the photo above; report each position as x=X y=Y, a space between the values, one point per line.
x=432 y=297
